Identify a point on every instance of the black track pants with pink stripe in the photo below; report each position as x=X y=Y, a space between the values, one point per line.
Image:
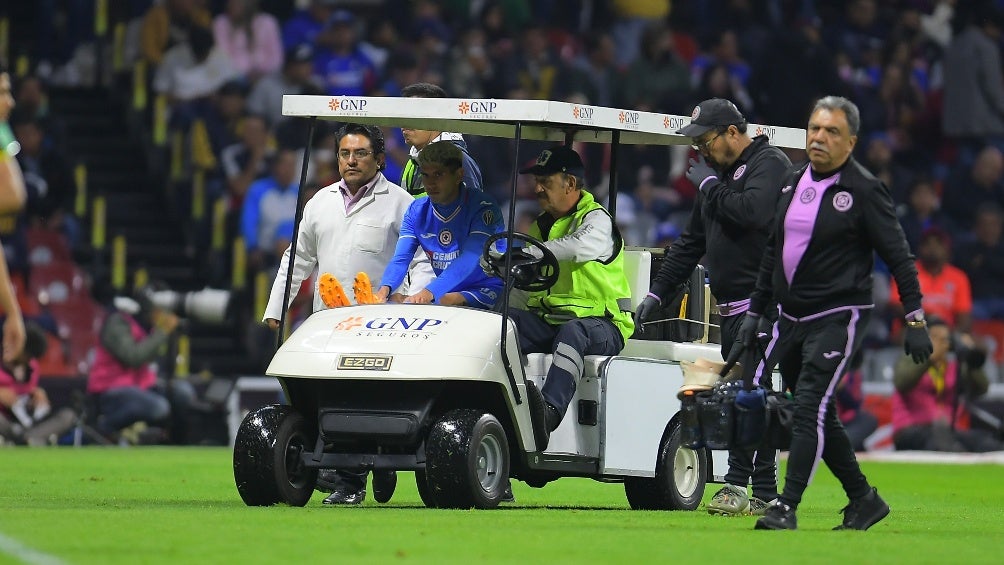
x=813 y=356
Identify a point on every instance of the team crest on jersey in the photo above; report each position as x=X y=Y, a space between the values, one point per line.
x=739 y=172
x=445 y=237
x=843 y=201
x=489 y=217
x=808 y=196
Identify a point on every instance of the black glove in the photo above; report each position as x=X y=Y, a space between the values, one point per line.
x=918 y=344
x=746 y=336
x=700 y=171
x=645 y=311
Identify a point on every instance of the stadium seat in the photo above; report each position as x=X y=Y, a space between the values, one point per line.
x=46 y=246
x=55 y=362
x=60 y=281
x=79 y=322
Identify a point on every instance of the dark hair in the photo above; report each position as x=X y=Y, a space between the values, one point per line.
x=201 y=40
x=373 y=133
x=934 y=320
x=423 y=90
x=443 y=152
x=36 y=342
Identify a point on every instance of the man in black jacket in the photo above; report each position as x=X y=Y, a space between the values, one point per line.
x=833 y=215
x=739 y=179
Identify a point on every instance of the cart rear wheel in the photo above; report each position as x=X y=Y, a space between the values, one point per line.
x=680 y=477
x=423 y=490
x=268 y=467
x=467 y=460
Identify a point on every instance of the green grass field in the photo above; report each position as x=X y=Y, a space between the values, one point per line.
x=179 y=505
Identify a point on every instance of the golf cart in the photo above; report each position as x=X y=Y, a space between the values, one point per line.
x=442 y=391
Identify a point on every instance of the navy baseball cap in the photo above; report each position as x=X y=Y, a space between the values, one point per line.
x=711 y=114
x=560 y=159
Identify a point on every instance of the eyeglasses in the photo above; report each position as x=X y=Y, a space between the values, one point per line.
x=359 y=154
x=706 y=145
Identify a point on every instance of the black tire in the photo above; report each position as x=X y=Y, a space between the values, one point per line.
x=467 y=460
x=680 y=477
x=267 y=464
x=423 y=490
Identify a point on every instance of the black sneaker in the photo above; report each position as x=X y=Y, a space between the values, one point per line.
x=863 y=513
x=553 y=418
x=346 y=496
x=779 y=516
x=507 y=495
x=384 y=483
x=538 y=416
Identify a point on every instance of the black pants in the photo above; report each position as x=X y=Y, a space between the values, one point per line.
x=569 y=343
x=749 y=465
x=941 y=437
x=812 y=355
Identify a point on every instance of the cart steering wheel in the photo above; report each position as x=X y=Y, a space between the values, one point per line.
x=528 y=271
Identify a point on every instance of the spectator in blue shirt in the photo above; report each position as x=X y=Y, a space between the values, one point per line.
x=269 y=202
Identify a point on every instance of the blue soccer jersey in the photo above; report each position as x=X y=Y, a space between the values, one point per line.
x=453 y=236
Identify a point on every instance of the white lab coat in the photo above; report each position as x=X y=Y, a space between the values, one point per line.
x=343 y=244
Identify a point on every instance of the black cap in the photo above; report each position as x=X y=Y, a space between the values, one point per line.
x=303 y=53
x=560 y=159
x=710 y=114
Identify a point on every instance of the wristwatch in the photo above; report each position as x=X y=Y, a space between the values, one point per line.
x=917 y=320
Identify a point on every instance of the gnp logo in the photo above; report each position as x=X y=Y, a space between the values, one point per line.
x=673 y=122
x=629 y=119
x=582 y=113
x=477 y=108
x=348 y=106
x=349 y=323
x=403 y=328
x=765 y=130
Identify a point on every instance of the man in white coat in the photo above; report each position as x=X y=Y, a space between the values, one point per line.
x=348 y=227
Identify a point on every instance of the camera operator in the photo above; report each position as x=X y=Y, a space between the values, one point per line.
x=928 y=405
x=123 y=377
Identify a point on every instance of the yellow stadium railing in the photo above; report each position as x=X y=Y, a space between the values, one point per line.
x=262 y=288
x=119 y=262
x=239 y=276
x=219 y=224
x=80 y=199
x=139 y=93
x=98 y=223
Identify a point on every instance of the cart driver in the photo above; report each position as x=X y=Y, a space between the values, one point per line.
x=586 y=311
x=451 y=226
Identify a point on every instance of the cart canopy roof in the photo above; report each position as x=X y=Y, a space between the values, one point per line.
x=540 y=119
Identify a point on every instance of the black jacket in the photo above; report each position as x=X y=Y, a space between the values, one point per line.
x=730 y=223
x=856 y=219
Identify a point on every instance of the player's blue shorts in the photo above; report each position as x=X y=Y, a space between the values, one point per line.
x=484 y=296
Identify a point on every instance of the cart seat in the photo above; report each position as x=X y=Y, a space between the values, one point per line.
x=638 y=270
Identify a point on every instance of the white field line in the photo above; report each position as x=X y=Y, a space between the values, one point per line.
x=25 y=554
x=934 y=457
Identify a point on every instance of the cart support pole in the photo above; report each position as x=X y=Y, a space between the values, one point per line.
x=508 y=265
x=615 y=146
x=291 y=261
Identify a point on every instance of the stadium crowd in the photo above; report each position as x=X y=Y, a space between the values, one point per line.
x=932 y=113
